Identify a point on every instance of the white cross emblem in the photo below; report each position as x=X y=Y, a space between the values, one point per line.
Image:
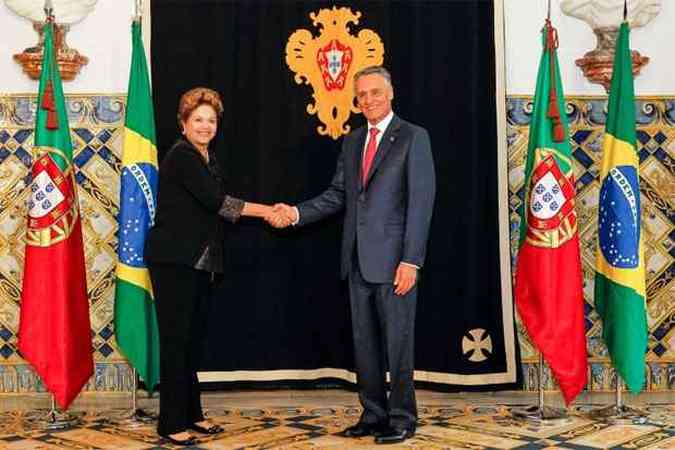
x=479 y=345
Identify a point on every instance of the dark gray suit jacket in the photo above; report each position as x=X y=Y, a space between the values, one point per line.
x=388 y=220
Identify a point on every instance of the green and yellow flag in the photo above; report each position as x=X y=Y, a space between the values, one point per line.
x=135 y=315
x=620 y=265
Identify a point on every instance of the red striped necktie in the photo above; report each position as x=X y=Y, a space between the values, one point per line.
x=371 y=149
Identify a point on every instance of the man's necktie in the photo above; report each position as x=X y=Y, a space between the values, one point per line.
x=370 y=154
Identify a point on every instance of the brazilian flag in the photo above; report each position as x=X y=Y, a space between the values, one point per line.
x=135 y=315
x=620 y=265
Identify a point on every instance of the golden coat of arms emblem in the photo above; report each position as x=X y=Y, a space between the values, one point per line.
x=328 y=63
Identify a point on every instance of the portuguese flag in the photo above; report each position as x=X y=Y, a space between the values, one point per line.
x=135 y=316
x=548 y=285
x=54 y=330
x=620 y=266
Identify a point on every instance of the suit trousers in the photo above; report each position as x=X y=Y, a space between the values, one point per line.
x=181 y=295
x=383 y=326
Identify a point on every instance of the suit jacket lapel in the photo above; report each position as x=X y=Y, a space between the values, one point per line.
x=385 y=144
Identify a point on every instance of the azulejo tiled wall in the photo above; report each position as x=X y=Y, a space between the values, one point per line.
x=97 y=122
x=656 y=144
x=96 y=130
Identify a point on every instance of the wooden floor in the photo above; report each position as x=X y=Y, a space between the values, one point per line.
x=313 y=419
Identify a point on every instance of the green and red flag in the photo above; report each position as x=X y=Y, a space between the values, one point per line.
x=135 y=315
x=54 y=329
x=620 y=265
x=548 y=285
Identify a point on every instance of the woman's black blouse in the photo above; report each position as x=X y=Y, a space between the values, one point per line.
x=191 y=205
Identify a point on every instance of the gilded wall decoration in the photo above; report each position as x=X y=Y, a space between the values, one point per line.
x=328 y=63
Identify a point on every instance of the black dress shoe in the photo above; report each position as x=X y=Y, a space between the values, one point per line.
x=362 y=429
x=213 y=429
x=394 y=436
x=189 y=441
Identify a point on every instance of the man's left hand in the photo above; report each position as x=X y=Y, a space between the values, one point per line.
x=406 y=277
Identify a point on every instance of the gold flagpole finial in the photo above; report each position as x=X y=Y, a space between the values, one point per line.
x=138 y=10
x=49 y=10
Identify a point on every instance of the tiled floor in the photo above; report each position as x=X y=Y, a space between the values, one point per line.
x=313 y=420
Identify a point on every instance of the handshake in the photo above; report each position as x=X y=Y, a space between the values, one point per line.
x=280 y=215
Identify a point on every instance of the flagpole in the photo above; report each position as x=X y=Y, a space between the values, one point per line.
x=137 y=414
x=140 y=415
x=49 y=9
x=136 y=417
x=134 y=388
x=618 y=393
x=531 y=295
x=541 y=375
x=624 y=412
x=619 y=413
x=541 y=413
x=54 y=420
x=138 y=8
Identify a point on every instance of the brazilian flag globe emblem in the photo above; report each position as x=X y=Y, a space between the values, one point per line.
x=136 y=327
x=620 y=290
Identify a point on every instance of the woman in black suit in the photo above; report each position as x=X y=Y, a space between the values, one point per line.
x=184 y=251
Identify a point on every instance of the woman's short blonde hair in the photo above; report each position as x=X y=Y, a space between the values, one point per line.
x=196 y=97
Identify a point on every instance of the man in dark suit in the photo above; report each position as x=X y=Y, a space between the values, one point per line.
x=385 y=182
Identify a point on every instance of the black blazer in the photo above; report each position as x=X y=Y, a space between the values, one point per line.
x=188 y=202
x=388 y=220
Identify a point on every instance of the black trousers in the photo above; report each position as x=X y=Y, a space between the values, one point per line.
x=383 y=326
x=181 y=295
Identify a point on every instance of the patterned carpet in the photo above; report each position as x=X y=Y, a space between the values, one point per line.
x=440 y=427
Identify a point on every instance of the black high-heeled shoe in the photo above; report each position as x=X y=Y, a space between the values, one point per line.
x=213 y=429
x=185 y=442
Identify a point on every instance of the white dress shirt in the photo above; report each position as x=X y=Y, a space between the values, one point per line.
x=382 y=126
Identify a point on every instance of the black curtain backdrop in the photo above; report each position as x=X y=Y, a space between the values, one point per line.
x=282 y=304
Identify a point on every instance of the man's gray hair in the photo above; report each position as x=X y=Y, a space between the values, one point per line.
x=373 y=70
